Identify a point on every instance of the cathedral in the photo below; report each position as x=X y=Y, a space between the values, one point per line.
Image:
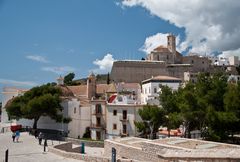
x=163 y=60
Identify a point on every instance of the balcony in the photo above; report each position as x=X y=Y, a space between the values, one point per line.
x=97 y=113
x=124 y=118
x=97 y=126
x=124 y=133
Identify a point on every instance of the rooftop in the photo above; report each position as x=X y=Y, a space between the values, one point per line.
x=163 y=78
x=176 y=147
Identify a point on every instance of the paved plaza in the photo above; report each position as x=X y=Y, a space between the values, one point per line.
x=27 y=150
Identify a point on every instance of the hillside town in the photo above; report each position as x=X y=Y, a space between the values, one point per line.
x=109 y=111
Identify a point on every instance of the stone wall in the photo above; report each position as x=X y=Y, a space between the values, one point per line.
x=87 y=143
x=136 y=71
x=65 y=151
x=126 y=151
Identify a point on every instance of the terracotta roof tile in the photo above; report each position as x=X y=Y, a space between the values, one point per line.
x=102 y=88
x=78 y=90
x=130 y=85
x=162 y=78
x=161 y=48
x=112 y=88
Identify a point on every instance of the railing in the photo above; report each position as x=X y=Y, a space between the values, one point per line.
x=124 y=118
x=124 y=133
x=97 y=113
x=98 y=126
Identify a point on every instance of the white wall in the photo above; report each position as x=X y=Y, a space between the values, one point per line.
x=148 y=90
x=80 y=118
x=7 y=94
x=132 y=115
x=233 y=60
x=94 y=119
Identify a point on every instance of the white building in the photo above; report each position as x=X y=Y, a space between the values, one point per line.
x=115 y=116
x=151 y=88
x=122 y=111
x=190 y=77
x=98 y=119
x=9 y=93
x=234 y=78
x=75 y=103
x=233 y=60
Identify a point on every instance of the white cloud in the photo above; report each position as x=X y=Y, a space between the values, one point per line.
x=231 y=53
x=216 y=21
x=105 y=64
x=154 y=41
x=59 y=70
x=37 y=58
x=17 y=83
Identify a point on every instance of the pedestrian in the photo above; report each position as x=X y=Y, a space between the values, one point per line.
x=40 y=137
x=35 y=132
x=17 y=135
x=13 y=136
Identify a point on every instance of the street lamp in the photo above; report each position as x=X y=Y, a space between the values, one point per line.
x=151 y=127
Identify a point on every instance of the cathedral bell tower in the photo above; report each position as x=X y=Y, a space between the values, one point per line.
x=91 y=86
x=171 y=45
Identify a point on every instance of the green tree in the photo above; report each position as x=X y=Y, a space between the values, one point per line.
x=168 y=100
x=68 y=79
x=193 y=116
x=232 y=107
x=38 y=101
x=152 y=118
x=108 y=79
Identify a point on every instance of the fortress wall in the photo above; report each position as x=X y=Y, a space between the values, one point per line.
x=136 y=71
x=200 y=64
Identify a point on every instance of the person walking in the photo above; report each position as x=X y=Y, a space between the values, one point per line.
x=40 y=137
x=13 y=136
x=17 y=135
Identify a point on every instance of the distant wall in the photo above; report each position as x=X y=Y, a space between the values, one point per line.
x=137 y=71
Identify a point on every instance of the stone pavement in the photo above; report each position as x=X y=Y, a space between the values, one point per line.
x=27 y=150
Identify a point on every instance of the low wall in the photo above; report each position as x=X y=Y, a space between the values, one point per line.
x=86 y=142
x=126 y=151
x=65 y=150
x=78 y=156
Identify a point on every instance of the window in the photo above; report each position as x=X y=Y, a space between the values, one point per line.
x=98 y=121
x=124 y=129
x=192 y=61
x=124 y=114
x=149 y=90
x=114 y=112
x=98 y=109
x=133 y=92
x=114 y=126
x=145 y=90
x=75 y=110
x=155 y=90
x=120 y=99
x=203 y=62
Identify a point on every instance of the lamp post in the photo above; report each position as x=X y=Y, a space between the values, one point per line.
x=168 y=125
x=151 y=127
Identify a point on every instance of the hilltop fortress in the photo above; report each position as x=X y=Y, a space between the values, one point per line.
x=161 y=61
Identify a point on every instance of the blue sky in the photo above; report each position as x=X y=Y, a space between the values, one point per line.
x=42 y=39
x=70 y=34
